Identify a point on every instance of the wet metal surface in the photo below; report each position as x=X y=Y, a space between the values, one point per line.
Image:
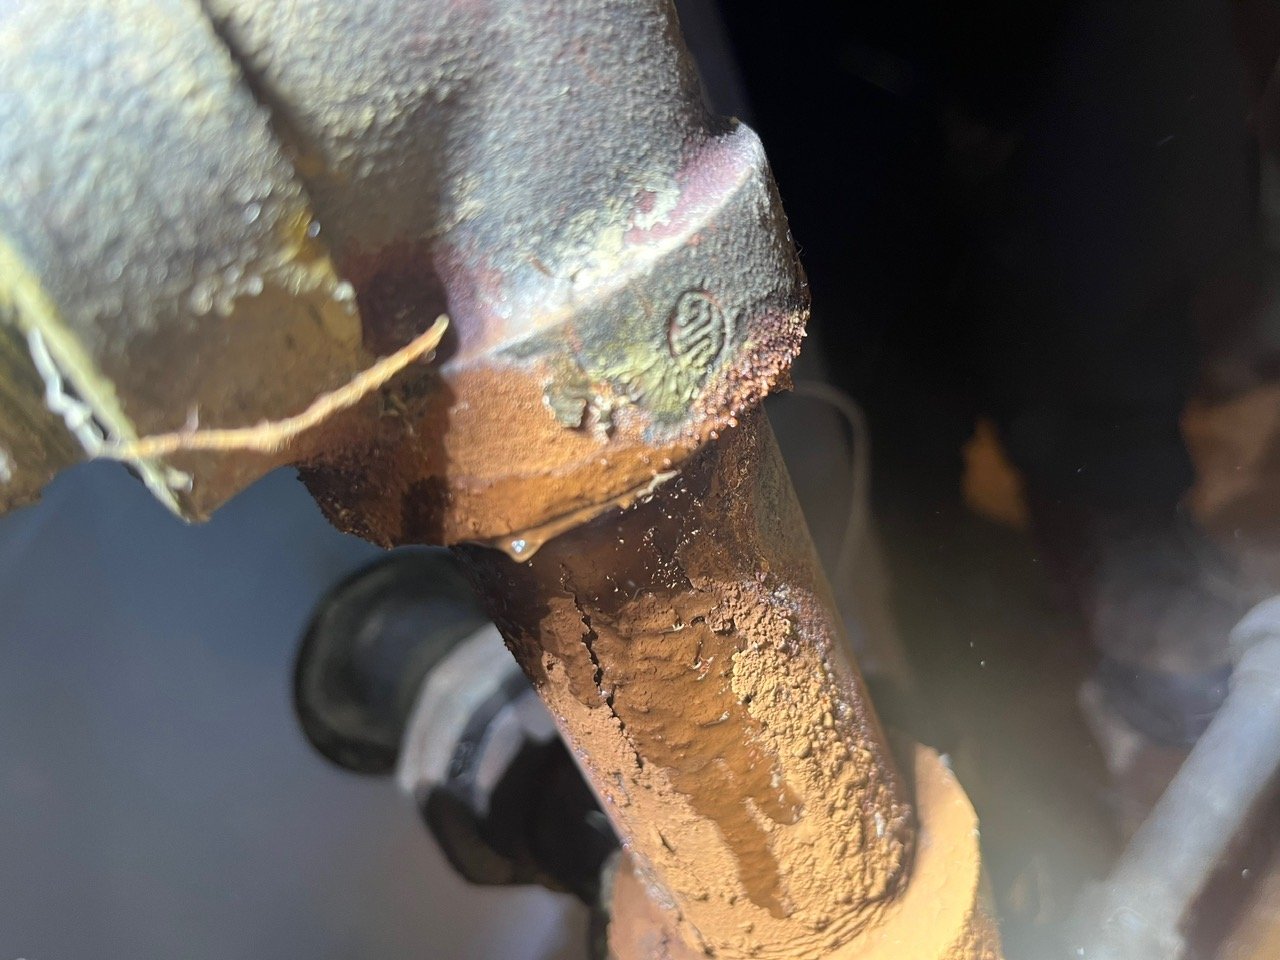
x=689 y=651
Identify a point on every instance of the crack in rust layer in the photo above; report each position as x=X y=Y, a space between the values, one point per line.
x=688 y=650
x=666 y=675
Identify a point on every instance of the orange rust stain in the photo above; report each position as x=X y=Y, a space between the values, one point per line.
x=687 y=648
x=665 y=672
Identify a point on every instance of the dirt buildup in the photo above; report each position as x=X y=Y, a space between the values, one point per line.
x=689 y=650
x=938 y=916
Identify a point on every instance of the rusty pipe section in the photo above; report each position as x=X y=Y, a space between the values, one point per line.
x=615 y=261
x=219 y=215
x=688 y=648
x=222 y=222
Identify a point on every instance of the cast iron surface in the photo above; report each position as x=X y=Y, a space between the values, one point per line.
x=218 y=215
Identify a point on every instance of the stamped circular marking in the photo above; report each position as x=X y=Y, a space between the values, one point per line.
x=696 y=330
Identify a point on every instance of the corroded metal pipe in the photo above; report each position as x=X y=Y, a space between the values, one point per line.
x=215 y=216
x=202 y=257
x=688 y=647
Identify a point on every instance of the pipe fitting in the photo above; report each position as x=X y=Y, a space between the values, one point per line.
x=218 y=216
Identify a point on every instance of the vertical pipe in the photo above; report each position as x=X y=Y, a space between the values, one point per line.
x=689 y=650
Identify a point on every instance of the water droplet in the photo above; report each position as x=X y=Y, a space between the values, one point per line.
x=518 y=546
x=252 y=212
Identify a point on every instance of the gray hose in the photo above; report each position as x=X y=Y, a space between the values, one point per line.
x=1137 y=913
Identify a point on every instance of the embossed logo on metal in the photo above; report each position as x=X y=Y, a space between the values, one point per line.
x=697 y=330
